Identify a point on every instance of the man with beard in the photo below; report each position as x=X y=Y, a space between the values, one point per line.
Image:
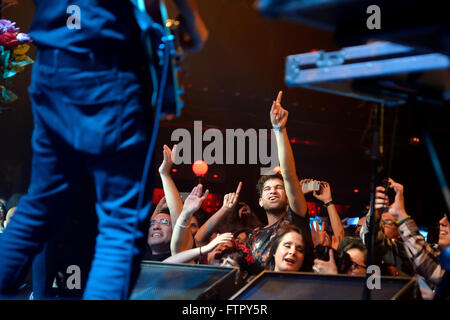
x=280 y=195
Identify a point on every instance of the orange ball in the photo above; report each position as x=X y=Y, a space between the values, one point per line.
x=200 y=168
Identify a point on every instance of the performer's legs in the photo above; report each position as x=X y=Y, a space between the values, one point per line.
x=121 y=239
x=99 y=119
x=117 y=177
x=44 y=203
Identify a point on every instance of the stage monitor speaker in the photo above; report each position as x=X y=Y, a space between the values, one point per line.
x=173 y=281
x=270 y=285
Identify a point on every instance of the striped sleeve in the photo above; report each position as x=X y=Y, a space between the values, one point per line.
x=421 y=254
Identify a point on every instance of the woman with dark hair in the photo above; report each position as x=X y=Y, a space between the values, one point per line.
x=241 y=235
x=290 y=251
x=356 y=251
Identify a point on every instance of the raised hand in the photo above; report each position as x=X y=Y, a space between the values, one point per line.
x=195 y=199
x=301 y=185
x=168 y=159
x=278 y=115
x=161 y=205
x=324 y=193
x=319 y=234
x=326 y=267
x=245 y=210
x=230 y=200
x=397 y=208
x=220 y=239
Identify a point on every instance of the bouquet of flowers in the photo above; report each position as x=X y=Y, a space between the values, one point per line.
x=13 y=58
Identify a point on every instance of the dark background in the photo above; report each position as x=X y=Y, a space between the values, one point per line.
x=231 y=83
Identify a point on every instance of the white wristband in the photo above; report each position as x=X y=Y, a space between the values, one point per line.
x=181 y=225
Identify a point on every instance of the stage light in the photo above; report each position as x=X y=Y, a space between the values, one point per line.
x=355 y=190
x=174 y=170
x=414 y=140
x=200 y=168
x=215 y=175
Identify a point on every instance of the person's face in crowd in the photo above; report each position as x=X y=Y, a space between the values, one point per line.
x=358 y=266
x=274 y=196
x=193 y=225
x=215 y=255
x=160 y=231
x=9 y=215
x=444 y=232
x=241 y=238
x=228 y=261
x=290 y=254
x=390 y=227
x=359 y=226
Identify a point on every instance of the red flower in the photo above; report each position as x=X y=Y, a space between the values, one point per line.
x=250 y=260
x=246 y=252
x=8 y=39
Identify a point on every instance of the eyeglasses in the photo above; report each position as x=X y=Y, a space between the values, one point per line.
x=354 y=266
x=160 y=221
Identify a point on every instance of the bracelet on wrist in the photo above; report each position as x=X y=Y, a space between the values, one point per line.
x=182 y=226
x=401 y=221
x=329 y=203
x=277 y=128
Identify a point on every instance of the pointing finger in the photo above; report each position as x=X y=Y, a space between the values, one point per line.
x=238 y=190
x=280 y=95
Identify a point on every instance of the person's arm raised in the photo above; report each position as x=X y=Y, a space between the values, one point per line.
x=181 y=235
x=173 y=199
x=278 y=118
x=324 y=195
x=230 y=201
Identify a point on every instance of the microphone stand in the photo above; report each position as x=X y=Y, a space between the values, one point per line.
x=376 y=161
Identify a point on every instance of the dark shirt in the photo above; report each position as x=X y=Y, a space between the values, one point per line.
x=148 y=255
x=260 y=240
x=108 y=25
x=394 y=254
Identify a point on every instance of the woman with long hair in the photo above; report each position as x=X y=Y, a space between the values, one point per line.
x=290 y=252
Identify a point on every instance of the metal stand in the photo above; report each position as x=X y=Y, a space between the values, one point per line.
x=373 y=216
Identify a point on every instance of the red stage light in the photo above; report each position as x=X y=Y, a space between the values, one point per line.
x=200 y=168
x=355 y=190
x=174 y=170
x=414 y=140
x=215 y=175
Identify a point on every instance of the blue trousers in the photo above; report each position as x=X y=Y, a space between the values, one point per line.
x=85 y=119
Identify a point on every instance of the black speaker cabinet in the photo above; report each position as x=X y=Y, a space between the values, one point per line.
x=180 y=281
x=270 y=285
